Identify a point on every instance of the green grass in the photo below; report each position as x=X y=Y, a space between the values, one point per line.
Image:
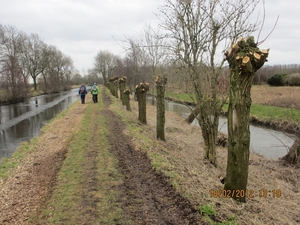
x=159 y=159
x=64 y=206
x=8 y=164
x=208 y=211
x=181 y=96
x=261 y=112
x=276 y=113
x=266 y=113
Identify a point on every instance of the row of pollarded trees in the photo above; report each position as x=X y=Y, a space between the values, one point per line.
x=116 y=84
x=194 y=31
x=24 y=57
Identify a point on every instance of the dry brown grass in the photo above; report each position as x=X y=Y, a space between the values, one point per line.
x=183 y=151
x=23 y=193
x=276 y=96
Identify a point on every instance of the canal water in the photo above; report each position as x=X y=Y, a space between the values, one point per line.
x=268 y=142
x=23 y=121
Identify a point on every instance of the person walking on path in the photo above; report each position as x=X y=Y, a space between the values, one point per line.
x=82 y=91
x=95 y=92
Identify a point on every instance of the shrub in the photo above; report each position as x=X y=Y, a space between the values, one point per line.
x=292 y=79
x=277 y=80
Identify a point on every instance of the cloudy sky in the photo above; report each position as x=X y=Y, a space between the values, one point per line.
x=81 y=28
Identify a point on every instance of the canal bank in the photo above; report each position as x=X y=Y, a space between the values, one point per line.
x=265 y=140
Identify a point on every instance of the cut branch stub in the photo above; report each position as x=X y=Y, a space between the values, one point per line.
x=113 y=79
x=143 y=87
x=246 y=55
x=161 y=81
x=122 y=79
x=127 y=91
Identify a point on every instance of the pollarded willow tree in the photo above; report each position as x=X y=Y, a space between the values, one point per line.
x=141 y=92
x=160 y=106
x=244 y=58
x=197 y=29
x=122 y=86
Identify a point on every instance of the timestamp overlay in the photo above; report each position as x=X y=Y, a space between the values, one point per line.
x=261 y=193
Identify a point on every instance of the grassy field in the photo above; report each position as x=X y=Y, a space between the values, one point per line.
x=279 y=105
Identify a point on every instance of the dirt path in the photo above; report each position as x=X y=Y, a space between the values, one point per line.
x=89 y=198
x=24 y=193
x=146 y=195
x=150 y=199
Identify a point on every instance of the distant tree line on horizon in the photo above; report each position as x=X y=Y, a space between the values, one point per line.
x=28 y=64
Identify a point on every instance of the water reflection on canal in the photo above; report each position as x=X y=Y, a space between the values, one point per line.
x=270 y=143
x=22 y=121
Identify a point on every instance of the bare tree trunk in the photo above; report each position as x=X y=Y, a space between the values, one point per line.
x=113 y=86
x=141 y=91
x=126 y=98
x=244 y=60
x=293 y=156
x=160 y=106
x=122 y=83
x=208 y=119
x=116 y=88
x=192 y=116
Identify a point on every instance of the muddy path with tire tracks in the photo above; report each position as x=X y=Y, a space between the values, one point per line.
x=149 y=197
x=146 y=196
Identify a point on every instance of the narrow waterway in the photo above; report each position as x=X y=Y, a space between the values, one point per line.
x=23 y=121
x=268 y=142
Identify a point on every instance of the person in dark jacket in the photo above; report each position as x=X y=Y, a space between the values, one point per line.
x=82 y=91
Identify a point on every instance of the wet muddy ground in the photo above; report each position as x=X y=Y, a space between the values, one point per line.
x=149 y=197
x=146 y=196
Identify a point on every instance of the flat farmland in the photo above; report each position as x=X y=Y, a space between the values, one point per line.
x=288 y=97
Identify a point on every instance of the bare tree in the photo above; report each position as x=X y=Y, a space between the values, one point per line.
x=13 y=80
x=156 y=53
x=58 y=70
x=33 y=58
x=104 y=64
x=197 y=29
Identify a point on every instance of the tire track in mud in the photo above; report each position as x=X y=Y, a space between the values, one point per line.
x=148 y=197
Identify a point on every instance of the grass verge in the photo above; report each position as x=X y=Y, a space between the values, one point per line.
x=8 y=164
x=162 y=160
x=66 y=205
x=159 y=159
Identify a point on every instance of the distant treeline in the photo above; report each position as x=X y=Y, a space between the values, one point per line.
x=292 y=72
x=26 y=60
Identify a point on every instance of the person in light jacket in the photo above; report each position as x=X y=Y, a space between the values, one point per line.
x=95 y=92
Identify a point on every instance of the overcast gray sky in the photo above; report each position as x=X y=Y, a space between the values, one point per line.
x=81 y=28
